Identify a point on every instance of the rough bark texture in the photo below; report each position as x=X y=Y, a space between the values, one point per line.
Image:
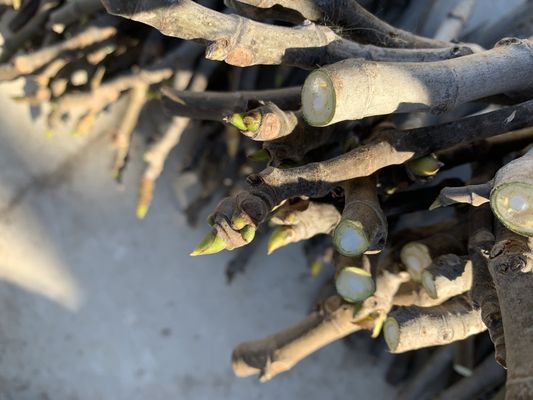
x=480 y=242
x=361 y=25
x=417 y=327
x=511 y=265
x=234 y=38
x=388 y=148
x=273 y=185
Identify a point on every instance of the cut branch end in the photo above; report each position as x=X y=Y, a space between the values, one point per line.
x=350 y=238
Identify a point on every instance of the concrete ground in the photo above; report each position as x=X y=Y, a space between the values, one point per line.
x=95 y=304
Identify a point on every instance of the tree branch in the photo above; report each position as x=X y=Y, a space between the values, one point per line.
x=510 y=194
x=419 y=254
x=234 y=38
x=214 y=106
x=273 y=185
x=411 y=328
x=301 y=220
x=329 y=96
x=480 y=242
x=360 y=24
x=334 y=320
x=511 y=265
x=363 y=227
x=448 y=275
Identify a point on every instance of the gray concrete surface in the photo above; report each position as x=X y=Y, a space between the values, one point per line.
x=95 y=304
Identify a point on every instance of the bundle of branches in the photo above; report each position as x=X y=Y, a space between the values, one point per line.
x=78 y=61
x=358 y=121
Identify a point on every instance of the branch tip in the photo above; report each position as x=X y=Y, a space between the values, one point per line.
x=210 y=244
x=281 y=236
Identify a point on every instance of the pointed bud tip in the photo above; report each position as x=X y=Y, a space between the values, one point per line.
x=248 y=233
x=141 y=211
x=210 y=244
x=436 y=204
x=281 y=237
x=236 y=119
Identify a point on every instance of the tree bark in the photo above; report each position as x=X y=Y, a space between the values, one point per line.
x=234 y=38
x=511 y=265
x=329 y=94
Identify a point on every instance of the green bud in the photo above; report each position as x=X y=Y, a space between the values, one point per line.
x=238 y=222
x=248 y=233
x=436 y=204
x=252 y=121
x=424 y=166
x=260 y=155
x=281 y=237
x=237 y=121
x=210 y=244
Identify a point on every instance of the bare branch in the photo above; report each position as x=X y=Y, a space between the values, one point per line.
x=273 y=185
x=511 y=267
x=361 y=25
x=411 y=328
x=329 y=95
x=301 y=220
x=234 y=38
x=335 y=319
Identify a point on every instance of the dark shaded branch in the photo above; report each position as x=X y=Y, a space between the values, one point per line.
x=480 y=242
x=215 y=106
x=511 y=268
x=273 y=185
x=388 y=148
x=360 y=25
x=488 y=373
